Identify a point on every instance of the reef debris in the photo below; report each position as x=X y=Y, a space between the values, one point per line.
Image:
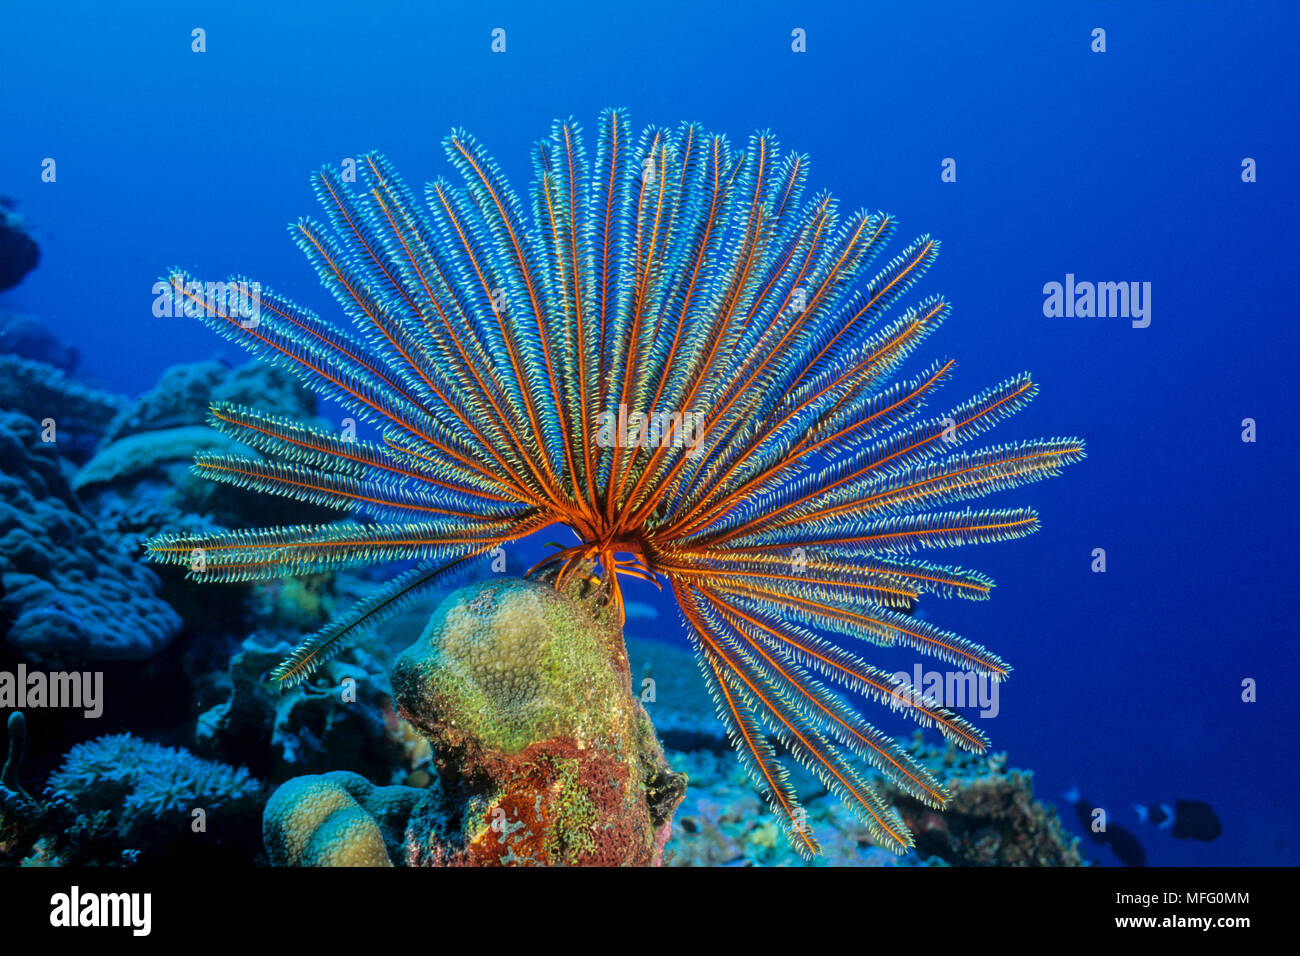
x=993 y=819
x=342 y=718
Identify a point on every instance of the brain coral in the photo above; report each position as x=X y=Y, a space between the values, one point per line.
x=335 y=819
x=68 y=588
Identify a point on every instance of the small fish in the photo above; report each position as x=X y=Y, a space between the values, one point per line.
x=1125 y=845
x=1083 y=813
x=1188 y=819
x=1121 y=840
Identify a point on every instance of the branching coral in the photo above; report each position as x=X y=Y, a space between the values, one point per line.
x=161 y=802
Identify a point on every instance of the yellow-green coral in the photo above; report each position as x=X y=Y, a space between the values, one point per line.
x=334 y=819
x=516 y=662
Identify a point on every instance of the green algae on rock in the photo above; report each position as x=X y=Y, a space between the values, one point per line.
x=505 y=664
x=545 y=755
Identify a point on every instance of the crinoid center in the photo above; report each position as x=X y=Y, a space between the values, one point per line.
x=525 y=694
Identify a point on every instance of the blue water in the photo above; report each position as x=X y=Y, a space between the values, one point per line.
x=1115 y=166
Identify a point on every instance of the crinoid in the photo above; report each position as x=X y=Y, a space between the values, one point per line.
x=679 y=359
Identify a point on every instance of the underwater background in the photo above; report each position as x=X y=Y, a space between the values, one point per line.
x=1123 y=165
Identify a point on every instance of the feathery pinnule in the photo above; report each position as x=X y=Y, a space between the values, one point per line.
x=686 y=363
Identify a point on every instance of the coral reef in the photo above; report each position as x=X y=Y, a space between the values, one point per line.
x=69 y=589
x=544 y=757
x=790 y=440
x=183 y=393
x=140 y=478
x=336 y=819
x=148 y=449
x=149 y=452
x=118 y=799
x=27 y=337
x=723 y=822
x=343 y=718
x=993 y=819
x=43 y=392
x=19 y=252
